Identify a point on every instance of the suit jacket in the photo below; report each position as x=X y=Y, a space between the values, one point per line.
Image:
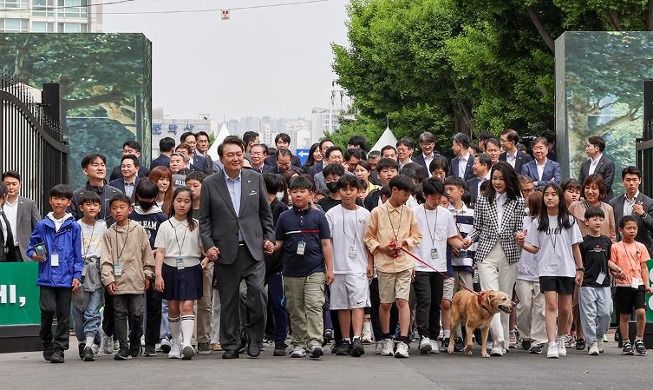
x=604 y=168
x=198 y=163
x=520 y=159
x=316 y=168
x=142 y=172
x=272 y=161
x=551 y=174
x=219 y=223
x=472 y=188
x=644 y=223
x=420 y=160
x=487 y=232
x=161 y=161
x=208 y=162
x=120 y=184
x=27 y=217
x=453 y=168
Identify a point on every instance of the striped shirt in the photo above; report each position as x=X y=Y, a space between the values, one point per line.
x=464 y=219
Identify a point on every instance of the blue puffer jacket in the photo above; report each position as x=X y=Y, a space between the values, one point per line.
x=66 y=243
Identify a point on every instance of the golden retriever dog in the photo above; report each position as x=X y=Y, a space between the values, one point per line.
x=475 y=311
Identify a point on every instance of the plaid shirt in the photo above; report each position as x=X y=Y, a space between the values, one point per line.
x=487 y=232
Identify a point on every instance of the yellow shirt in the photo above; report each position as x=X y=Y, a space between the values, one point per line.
x=386 y=223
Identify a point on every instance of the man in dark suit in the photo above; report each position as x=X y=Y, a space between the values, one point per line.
x=130 y=147
x=282 y=141
x=202 y=148
x=516 y=158
x=427 y=144
x=481 y=167
x=541 y=169
x=236 y=229
x=166 y=147
x=597 y=163
x=129 y=165
x=21 y=213
x=636 y=204
x=461 y=165
x=197 y=162
x=8 y=252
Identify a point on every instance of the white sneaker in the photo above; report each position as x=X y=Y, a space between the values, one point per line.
x=552 y=351
x=366 y=337
x=562 y=349
x=96 y=350
x=142 y=340
x=165 y=345
x=388 y=347
x=298 y=352
x=512 y=339
x=187 y=352
x=107 y=345
x=402 y=350
x=497 y=350
x=425 y=345
x=175 y=351
x=601 y=345
x=594 y=349
x=379 y=347
x=434 y=347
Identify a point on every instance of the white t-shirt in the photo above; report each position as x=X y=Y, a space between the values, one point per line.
x=528 y=262
x=437 y=226
x=347 y=232
x=92 y=236
x=178 y=241
x=556 y=254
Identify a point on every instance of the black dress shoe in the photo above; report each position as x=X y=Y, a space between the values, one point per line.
x=253 y=349
x=231 y=354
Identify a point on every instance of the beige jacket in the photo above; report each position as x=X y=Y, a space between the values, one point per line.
x=129 y=247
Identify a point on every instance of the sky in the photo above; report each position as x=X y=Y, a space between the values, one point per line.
x=272 y=61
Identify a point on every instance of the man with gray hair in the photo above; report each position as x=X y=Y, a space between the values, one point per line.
x=461 y=165
x=427 y=144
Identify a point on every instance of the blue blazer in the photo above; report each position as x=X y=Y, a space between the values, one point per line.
x=453 y=168
x=551 y=174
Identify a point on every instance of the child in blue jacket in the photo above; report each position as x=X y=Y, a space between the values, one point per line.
x=56 y=244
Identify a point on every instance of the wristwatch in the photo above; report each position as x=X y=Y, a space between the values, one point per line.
x=581 y=269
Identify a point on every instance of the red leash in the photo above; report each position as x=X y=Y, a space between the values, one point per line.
x=441 y=273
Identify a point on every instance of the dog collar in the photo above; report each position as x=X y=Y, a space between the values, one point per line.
x=480 y=301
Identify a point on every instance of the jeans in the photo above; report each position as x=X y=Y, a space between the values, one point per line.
x=215 y=308
x=128 y=307
x=87 y=322
x=428 y=293
x=204 y=312
x=164 y=330
x=305 y=304
x=55 y=301
x=595 y=310
x=277 y=302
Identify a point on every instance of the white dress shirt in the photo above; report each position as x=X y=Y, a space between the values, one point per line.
x=462 y=165
x=540 y=169
x=594 y=163
x=427 y=161
x=500 y=200
x=629 y=203
x=511 y=158
x=11 y=212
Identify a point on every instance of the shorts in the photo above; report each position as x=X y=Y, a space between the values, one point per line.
x=561 y=284
x=182 y=284
x=464 y=278
x=447 y=288
x=393 y=286
x=349 y=291
x=627 y=299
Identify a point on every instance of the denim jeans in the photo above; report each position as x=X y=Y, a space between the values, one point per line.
x=277 y=303
x=165 y=325
x=595 y=309
x=87 y=322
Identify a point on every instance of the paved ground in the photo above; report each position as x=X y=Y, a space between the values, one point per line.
x=517 y=370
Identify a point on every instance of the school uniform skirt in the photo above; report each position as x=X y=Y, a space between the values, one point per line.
x=182 y=284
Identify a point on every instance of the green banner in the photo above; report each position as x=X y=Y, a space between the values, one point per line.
x=19 y=294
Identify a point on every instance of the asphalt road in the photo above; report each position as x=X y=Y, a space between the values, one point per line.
x=516 y=370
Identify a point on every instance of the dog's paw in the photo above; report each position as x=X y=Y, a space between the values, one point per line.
x=468 y=352
x=450 y=350
x=485 y=355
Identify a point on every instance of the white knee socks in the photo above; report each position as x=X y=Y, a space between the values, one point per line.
x=187 y=327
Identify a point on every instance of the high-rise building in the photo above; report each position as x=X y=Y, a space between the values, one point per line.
x=52 y=16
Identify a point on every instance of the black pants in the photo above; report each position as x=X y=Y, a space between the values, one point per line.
x=153 y=316
x=55 y=301
x=108 y=322
x=428 y=294
x=128 y=306
x=375 y=302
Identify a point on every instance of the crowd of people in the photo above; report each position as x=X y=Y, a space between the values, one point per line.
x=192 y=255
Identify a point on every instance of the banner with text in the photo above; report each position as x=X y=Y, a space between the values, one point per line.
x=19 y=294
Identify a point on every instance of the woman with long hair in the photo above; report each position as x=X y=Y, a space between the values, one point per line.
x=498 y=216
x=162 y=176
x=314 y=156
x=362 y=172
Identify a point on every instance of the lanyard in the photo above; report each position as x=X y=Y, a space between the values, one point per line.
x=90 y=239
x=428 y=226
x=119 y=253
x=355 y=238
x=396 y=232
x=179 y=246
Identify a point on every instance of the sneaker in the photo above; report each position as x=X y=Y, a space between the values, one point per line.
x=57 y=356
x=279 y=349
x=80 y=349
x=345 y=348
x=136 y=351
x=187 y=352
x=441 y=334
x=628 y=349
x=580 y=344
x=149 y=351
x=88 y=354
x=497 y=350
x=116 y=345
x=569 y=341
x=142 y=340
x=328 y=336
x=601 y=344
x=434 y=347
x=562 y=348
x=552 y=352
x=526 y=345
x=536 y=349
x=366 y=337
x=377 y=349
x=336 y=348
x=458 y=345
x=165 y=345
x=512 y=340
x=47 y=353
x=107 y=345
x=203 y=349
x=605 y=338
x=357 y=348
x=316 y=351
x=425 y=345
x=445 y=344
x=388 y=347
x=402 y=350
x=216 y=347
x=175 y=351
x=594 y=349
x=298 y=352
x=640 y=347
x=123 y=354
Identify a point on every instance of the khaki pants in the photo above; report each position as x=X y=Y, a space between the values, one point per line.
x=204 y=310
x=305 y=299
x=530 y=312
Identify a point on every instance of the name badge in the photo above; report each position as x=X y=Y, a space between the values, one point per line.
x=434 y=253
x=636 y=283
x=54 y=259
x=117 y=269
x=352 y=251
x=301 y=247
x=600 y=278
x=180 y=263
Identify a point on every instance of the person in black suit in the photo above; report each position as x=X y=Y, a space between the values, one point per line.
x=129 y=165
x=513 y=156
x=166 y=147
x=282 y=141
x=598 y=163
x=130 y=147
x=7 y=247
x=197 y=162
x=636 y=204
x=427 y=144
x=202 y=148
x=481 y=167
x=461 y=165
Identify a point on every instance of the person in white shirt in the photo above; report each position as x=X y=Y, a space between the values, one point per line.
x=461 y=165
x=598 y=163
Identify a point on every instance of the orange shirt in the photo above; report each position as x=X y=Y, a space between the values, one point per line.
x=629 y=257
